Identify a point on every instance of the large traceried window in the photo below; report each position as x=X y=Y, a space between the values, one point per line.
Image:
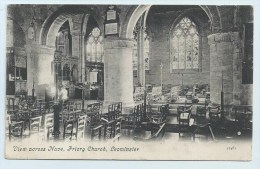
x=185 y=46
x=94 y=46
x=146 y=48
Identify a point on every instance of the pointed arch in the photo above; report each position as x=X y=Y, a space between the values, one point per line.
x=52 y=24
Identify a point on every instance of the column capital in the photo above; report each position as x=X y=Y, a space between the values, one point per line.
x=223 y=37
x=41 y=49
x=114 y=43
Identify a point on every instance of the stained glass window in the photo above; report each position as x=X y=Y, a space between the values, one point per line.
x=94 y=46
x=146 y=47
x=185 y=46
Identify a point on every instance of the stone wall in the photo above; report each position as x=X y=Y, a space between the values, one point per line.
x=160 y=26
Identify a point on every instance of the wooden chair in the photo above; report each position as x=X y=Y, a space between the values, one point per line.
x=16 y=130
x=30 y=102
x=214 y=114
x=8 y=121
x=164 y=110
x=81 y=125
x=184 y=113
x=160 y=115
x=111 y=114
x=49 y=106
x=109 y=131
x=184 y=123
x=118 y=109
x=11 y=103
x=243 y=118
x=96 y=133
x=65 y=106
x=63 y=115
x=131 y=121
x=96 y=107
x=184 y=118
x=118 y=127
x=68 y=130
x=89 y=108
x=77 y=106
x=12 y=114
x=149 y=111
x=35 y=112
x=201 y=114
x=23 y=115
x=180 y=109
x=35 y=125
x=69 y=116
x=42 y=107
x=201 y=111
x=71 y=105
x=48 y=125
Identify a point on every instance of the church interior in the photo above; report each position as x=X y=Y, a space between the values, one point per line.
x=129 y=72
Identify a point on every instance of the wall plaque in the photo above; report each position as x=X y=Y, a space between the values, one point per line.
x=111 y=28
x=111 y=23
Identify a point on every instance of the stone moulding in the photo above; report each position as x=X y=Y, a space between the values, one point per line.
x=223 y=37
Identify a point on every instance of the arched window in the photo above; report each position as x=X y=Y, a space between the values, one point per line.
x=146 y=47
x=94 y=46
x=185 y=46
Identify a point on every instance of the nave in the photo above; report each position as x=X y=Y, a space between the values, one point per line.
x=73 y=120
x=129 y=72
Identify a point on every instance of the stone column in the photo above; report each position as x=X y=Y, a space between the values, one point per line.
x=224 y=67
x=118 y=71
x=39 y=68
x=140 y=48
x=77 y=35
x=30 y=69
x=76 y=51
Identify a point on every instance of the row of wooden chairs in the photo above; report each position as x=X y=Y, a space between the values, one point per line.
x=158 y=116
x=75 y=130
x=107 y=126
x=242 y=121
x=114 y=111
x=134 y=119
x=109 y=130
x=18 y=129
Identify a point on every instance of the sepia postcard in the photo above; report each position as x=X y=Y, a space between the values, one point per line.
x=129 y=82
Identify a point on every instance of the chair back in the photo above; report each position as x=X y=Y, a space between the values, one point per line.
x=81 y=125
x=201 y=110
x=16 y=130
x=35 y=124
x=96 y=133
x=68 y=130
x=48 y=125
